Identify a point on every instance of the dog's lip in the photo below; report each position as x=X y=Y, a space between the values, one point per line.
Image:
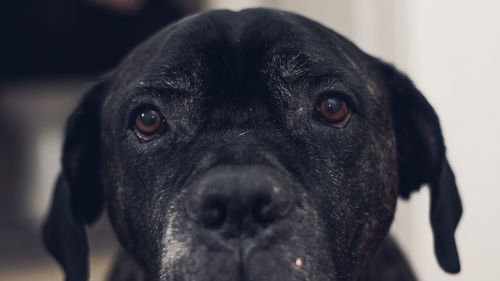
x=248 y=261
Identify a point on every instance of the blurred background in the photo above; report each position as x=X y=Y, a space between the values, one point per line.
x=51 y=51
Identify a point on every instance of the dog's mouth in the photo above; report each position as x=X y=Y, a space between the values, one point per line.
x=277 y=263
x=291 y=249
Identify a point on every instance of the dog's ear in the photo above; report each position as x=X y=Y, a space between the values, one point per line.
x=81 y=155
x=78 y=196
x=422 y=160
x=65 y=237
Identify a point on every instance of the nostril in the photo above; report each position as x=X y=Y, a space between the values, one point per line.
x=213 y=213
x=269 y=207
x=263 y=210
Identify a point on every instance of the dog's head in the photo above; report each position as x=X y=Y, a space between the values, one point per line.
x=256 y=145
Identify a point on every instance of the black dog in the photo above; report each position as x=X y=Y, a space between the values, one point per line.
x=256 y=145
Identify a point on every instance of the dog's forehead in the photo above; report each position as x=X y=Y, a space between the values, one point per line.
x=237 y=46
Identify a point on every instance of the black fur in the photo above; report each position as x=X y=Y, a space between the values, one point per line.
x=245 y=182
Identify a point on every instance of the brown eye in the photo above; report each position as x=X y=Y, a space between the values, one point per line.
x=335 y=111
x=148 y=124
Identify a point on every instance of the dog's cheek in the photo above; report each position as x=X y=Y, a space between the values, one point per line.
x=376 y=196
x=360 y=185
x=136 y=213
x=138 y=224
x=113 y=190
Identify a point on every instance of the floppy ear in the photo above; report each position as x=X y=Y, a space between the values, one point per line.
x=78 y=196
x=422 y=160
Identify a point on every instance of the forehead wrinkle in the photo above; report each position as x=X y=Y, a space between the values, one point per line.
x=289 y=68
x=301 y=66
x=282 y=70
x=175 y=80
x=296 y=69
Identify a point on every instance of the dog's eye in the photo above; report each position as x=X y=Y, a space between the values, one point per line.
x=334 y=110
x=148 y=124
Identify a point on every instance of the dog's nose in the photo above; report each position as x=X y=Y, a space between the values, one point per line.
x=239 y=199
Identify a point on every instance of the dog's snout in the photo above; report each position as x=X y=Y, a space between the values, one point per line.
x=243 y=199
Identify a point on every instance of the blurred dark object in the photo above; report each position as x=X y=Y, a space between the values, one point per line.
x=11 y=154
x=55 y=37
x=121 y=6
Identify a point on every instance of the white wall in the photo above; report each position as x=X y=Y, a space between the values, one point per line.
x=453 y=56
x=316 y=9
x=451 y=49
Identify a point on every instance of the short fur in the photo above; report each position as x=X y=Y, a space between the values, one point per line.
x=238 y=91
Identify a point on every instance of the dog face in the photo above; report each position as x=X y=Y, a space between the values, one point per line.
x=256 y=145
